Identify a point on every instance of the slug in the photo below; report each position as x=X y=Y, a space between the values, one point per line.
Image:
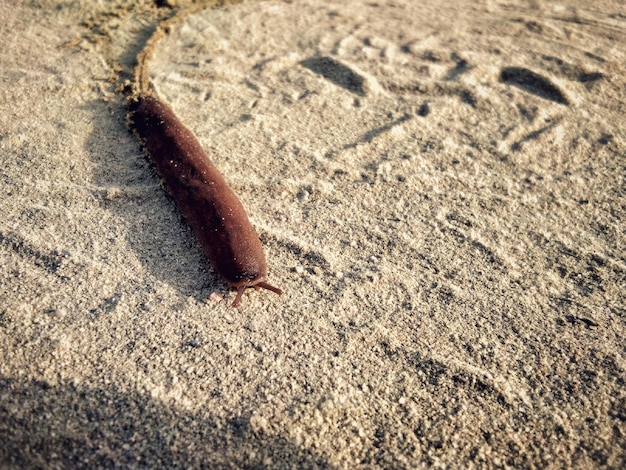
x=211 y=208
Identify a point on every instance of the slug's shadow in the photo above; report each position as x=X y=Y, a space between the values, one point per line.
x=126 y=184
x=67 y=426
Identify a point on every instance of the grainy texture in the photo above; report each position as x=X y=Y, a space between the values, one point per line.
x=439 y=185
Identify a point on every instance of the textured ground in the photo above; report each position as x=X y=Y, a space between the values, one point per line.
x=440 y=189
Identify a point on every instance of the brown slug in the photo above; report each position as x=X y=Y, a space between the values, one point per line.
x=211 y=208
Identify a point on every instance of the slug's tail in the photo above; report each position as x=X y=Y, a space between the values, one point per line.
x=264 y=285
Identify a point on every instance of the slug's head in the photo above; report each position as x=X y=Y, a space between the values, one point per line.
x=245 y=269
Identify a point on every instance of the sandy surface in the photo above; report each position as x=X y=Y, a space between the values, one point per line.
x=440 y=190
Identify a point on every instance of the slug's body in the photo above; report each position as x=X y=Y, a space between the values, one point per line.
x=211 y=208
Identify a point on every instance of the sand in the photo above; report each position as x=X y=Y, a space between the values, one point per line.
x=440 y=191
